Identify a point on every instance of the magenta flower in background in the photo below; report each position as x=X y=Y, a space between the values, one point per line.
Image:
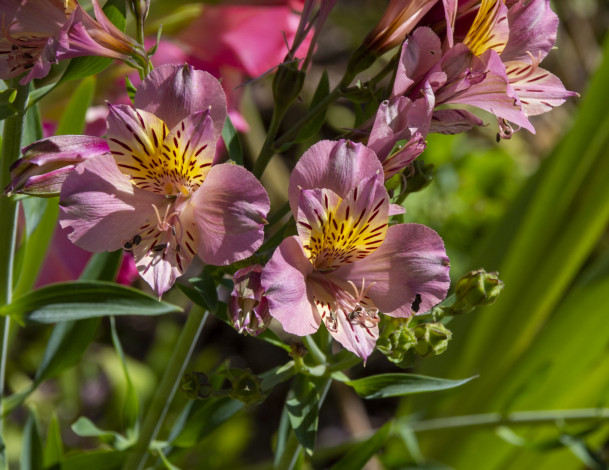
x=346 y=265
x=248 y=39
x=39 y=33
x=156 y=192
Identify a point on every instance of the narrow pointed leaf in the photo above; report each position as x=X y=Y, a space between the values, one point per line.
x=31 y=452
x=357 y=457
x=398 y=385
x=78 y=300
x=231 y=140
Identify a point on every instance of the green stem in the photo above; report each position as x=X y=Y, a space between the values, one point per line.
x=311 y=114
x=167 y=388
x=346 y=363
x=517 y=417
x=11 y=147
x=317 y=354
x=267 y=151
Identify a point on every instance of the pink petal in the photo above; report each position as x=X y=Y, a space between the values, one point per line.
x=230 y=209
x=285 y=280
x=539 y=91
x=174 y=92
x=412 y=260
x=453 y=121
x=103 y=209
x=450 y=11
x=356 y=338
x=339 y=166
x=533 y=27
x=420 y=53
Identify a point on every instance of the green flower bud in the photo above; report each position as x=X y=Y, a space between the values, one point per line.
x=398 y=344
x=196 y=386
x=432 y=339
x=287 y=84
x=246 y=387
x=477 y=288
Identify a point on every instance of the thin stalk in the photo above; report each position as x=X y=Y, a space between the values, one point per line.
x=315 y=351
x=166 y=390
x=517 y=417
x=267 y=151
x=11 y=147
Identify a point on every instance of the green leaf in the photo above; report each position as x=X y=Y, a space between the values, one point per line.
x=73 y=118
x=313 y=126
x=206 y=287
x=359 y=455
x=82 y=67
x=102 y=266
x=32 y=252
x=78 y=300
x=96 y=460
x=31 y=452
x=302 y=404
x=398 y=385
x=7 y=98
x=231 y=140
x=205 y=417
x=131 y=405
x=84 y=427
x=168 y=465
x=53 y=449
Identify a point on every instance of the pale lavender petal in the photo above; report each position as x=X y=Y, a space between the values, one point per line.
x=453 y=121
x=484 y=84
x=339 y=166
x=396 y=209
x=356 y=338
x=399 y=119
x=173 y=92
x=420 y=53
x=284 y=279
x=533 y=27
x=103 y=209
x=412 y=260
x=538 y=90
x=230 y=209
x=160 y=273
x=405 y=156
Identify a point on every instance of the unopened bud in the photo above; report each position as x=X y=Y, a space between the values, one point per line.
x=248 y=306
x=287 y=84
x=432 y=339
x=246 y=387
x=477 y=288
x=398 y=345
x=46 y=163
x=196 y=386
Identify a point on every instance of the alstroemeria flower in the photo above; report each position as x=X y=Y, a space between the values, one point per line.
x=346 y=265
x=156 y=193
x=38 y=33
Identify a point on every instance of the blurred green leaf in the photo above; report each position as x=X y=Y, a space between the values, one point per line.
x=96 y=460
x=205 y=417
x=231 y=140
x=78 y=300
x=73 y=118
x=397 y=385
x=361 y=453
x=53 y=449
x=131 y=406
x=102 y=266
x=31 y=451
x=84 y=427
x=206 y=287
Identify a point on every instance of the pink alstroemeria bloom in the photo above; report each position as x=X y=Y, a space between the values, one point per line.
x=457 y=77
x=38 y=33
x=346 y=265
x=156 y=193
